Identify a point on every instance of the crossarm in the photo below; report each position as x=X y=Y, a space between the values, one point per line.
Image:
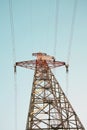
x=54 y=64
x=31 y=64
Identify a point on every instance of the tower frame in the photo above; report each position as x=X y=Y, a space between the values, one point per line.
x=49 y=107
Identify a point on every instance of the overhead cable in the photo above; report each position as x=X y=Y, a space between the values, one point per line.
x=72 y=31
x=56 y=26
x=70 y=44
x=14 y=60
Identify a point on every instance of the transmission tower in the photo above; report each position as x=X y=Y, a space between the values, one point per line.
x=49 y=107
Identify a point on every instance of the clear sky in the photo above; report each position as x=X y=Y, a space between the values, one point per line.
x=34 y=29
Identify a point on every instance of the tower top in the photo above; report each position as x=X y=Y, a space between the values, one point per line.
x=41 y=58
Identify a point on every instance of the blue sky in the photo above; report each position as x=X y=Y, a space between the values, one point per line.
x=34 y=29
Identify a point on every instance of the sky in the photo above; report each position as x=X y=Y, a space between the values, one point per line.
x=34 y=31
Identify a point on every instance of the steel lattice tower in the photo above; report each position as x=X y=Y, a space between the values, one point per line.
x=49 y=107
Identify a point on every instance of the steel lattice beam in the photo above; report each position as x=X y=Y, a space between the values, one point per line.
x=49 y=107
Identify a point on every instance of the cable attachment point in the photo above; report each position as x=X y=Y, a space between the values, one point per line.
x=67 y=66
x=14 y=68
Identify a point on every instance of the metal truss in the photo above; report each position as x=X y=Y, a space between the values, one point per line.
x=49 y=107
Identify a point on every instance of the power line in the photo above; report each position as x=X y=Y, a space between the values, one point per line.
x=12 y=30
x=70 y=43
x=72 y=31
x=14 y=60
x=56 y=26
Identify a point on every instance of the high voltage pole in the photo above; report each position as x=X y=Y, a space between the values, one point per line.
x=49 y=107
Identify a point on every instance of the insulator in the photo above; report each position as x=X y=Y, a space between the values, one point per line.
x=15 y=68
